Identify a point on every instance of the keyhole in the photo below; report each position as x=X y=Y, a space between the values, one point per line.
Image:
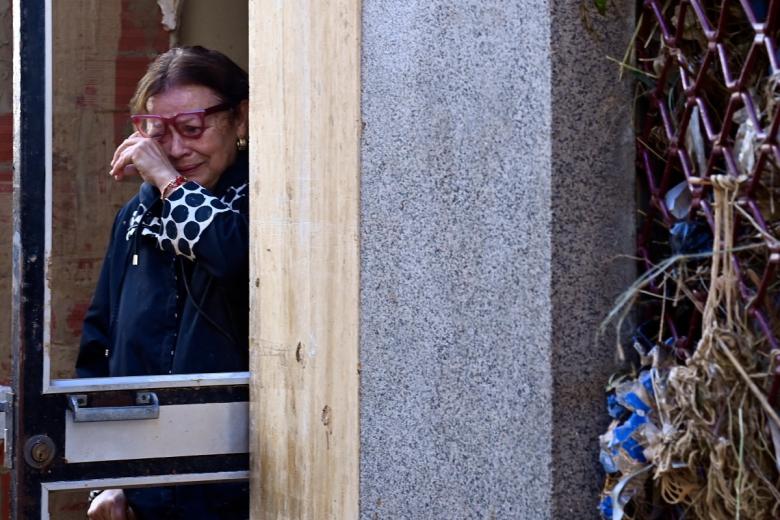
x=40 y=452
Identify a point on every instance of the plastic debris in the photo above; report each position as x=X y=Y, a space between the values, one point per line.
x=694 y=434
x=678 y=200
x=746 y=142
x=605 y=507
x=614 y=408
x=623 y=445
x=627 y=488
x=642 y=338
x=694 y=141
x=636 y=394
x=690 y=238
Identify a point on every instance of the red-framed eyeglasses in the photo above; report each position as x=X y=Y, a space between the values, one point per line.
x=187 y=124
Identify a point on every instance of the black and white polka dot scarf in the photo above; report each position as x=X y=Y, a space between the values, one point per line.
x=185 y=215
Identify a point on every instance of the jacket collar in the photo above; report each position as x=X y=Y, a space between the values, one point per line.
x=236 y=175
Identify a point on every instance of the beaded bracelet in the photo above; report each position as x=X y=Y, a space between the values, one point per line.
x=172 y=185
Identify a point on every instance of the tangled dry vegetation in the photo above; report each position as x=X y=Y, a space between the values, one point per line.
x=696 y=433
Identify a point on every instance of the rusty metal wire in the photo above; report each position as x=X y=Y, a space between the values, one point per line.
x=710 y=105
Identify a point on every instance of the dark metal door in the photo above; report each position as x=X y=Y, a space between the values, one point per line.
x=100 y=433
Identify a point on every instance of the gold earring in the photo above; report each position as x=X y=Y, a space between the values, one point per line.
x=242 y=143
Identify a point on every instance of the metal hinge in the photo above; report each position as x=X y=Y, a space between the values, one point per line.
x=7 y=427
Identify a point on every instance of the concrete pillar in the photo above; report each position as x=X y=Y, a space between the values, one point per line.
x=496 y=191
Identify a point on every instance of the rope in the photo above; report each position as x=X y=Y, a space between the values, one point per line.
x=715 y=456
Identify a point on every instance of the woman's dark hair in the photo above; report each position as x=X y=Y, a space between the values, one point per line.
x=196 y=65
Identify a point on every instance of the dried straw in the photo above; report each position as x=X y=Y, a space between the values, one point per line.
x=715 y=455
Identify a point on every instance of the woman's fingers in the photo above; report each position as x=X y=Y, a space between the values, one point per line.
x=122 y=160
x=130 y=169
x=145 y=157
x=132 y=139
x=123 y=156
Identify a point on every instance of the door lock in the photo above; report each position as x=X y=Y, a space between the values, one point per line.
x=39 y=451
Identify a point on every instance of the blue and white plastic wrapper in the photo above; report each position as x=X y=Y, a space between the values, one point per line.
x=605 y=508
x=614 y=408
x=636 y=394
x=625 y=441
x=620 y=452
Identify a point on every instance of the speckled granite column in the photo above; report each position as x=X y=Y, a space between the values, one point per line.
x=496 y=192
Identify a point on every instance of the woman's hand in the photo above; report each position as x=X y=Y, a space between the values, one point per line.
x=145 y=157
x=110 y=505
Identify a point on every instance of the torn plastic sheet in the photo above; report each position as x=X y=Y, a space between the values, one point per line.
x=622 y=447
x=658 y=358
x=629 y=443
x=678 y=200
x=620 y=452
x=746 y=142
x=612 y=505
x=631 y=486
x=644 y=343
x=171 y=13
x=694 y=142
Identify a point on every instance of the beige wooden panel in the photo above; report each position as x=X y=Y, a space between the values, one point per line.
x=304 y=62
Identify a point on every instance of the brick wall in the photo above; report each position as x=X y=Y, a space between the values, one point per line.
x=101 y=50
x=98 y=60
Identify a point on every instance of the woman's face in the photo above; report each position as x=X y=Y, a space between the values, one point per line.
x=205 y=158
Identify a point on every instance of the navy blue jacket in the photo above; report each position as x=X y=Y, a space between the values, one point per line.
x=181 y=307
x=173 y=293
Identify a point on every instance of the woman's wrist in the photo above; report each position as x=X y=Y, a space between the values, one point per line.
x=171 y=186
x=165 y=179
